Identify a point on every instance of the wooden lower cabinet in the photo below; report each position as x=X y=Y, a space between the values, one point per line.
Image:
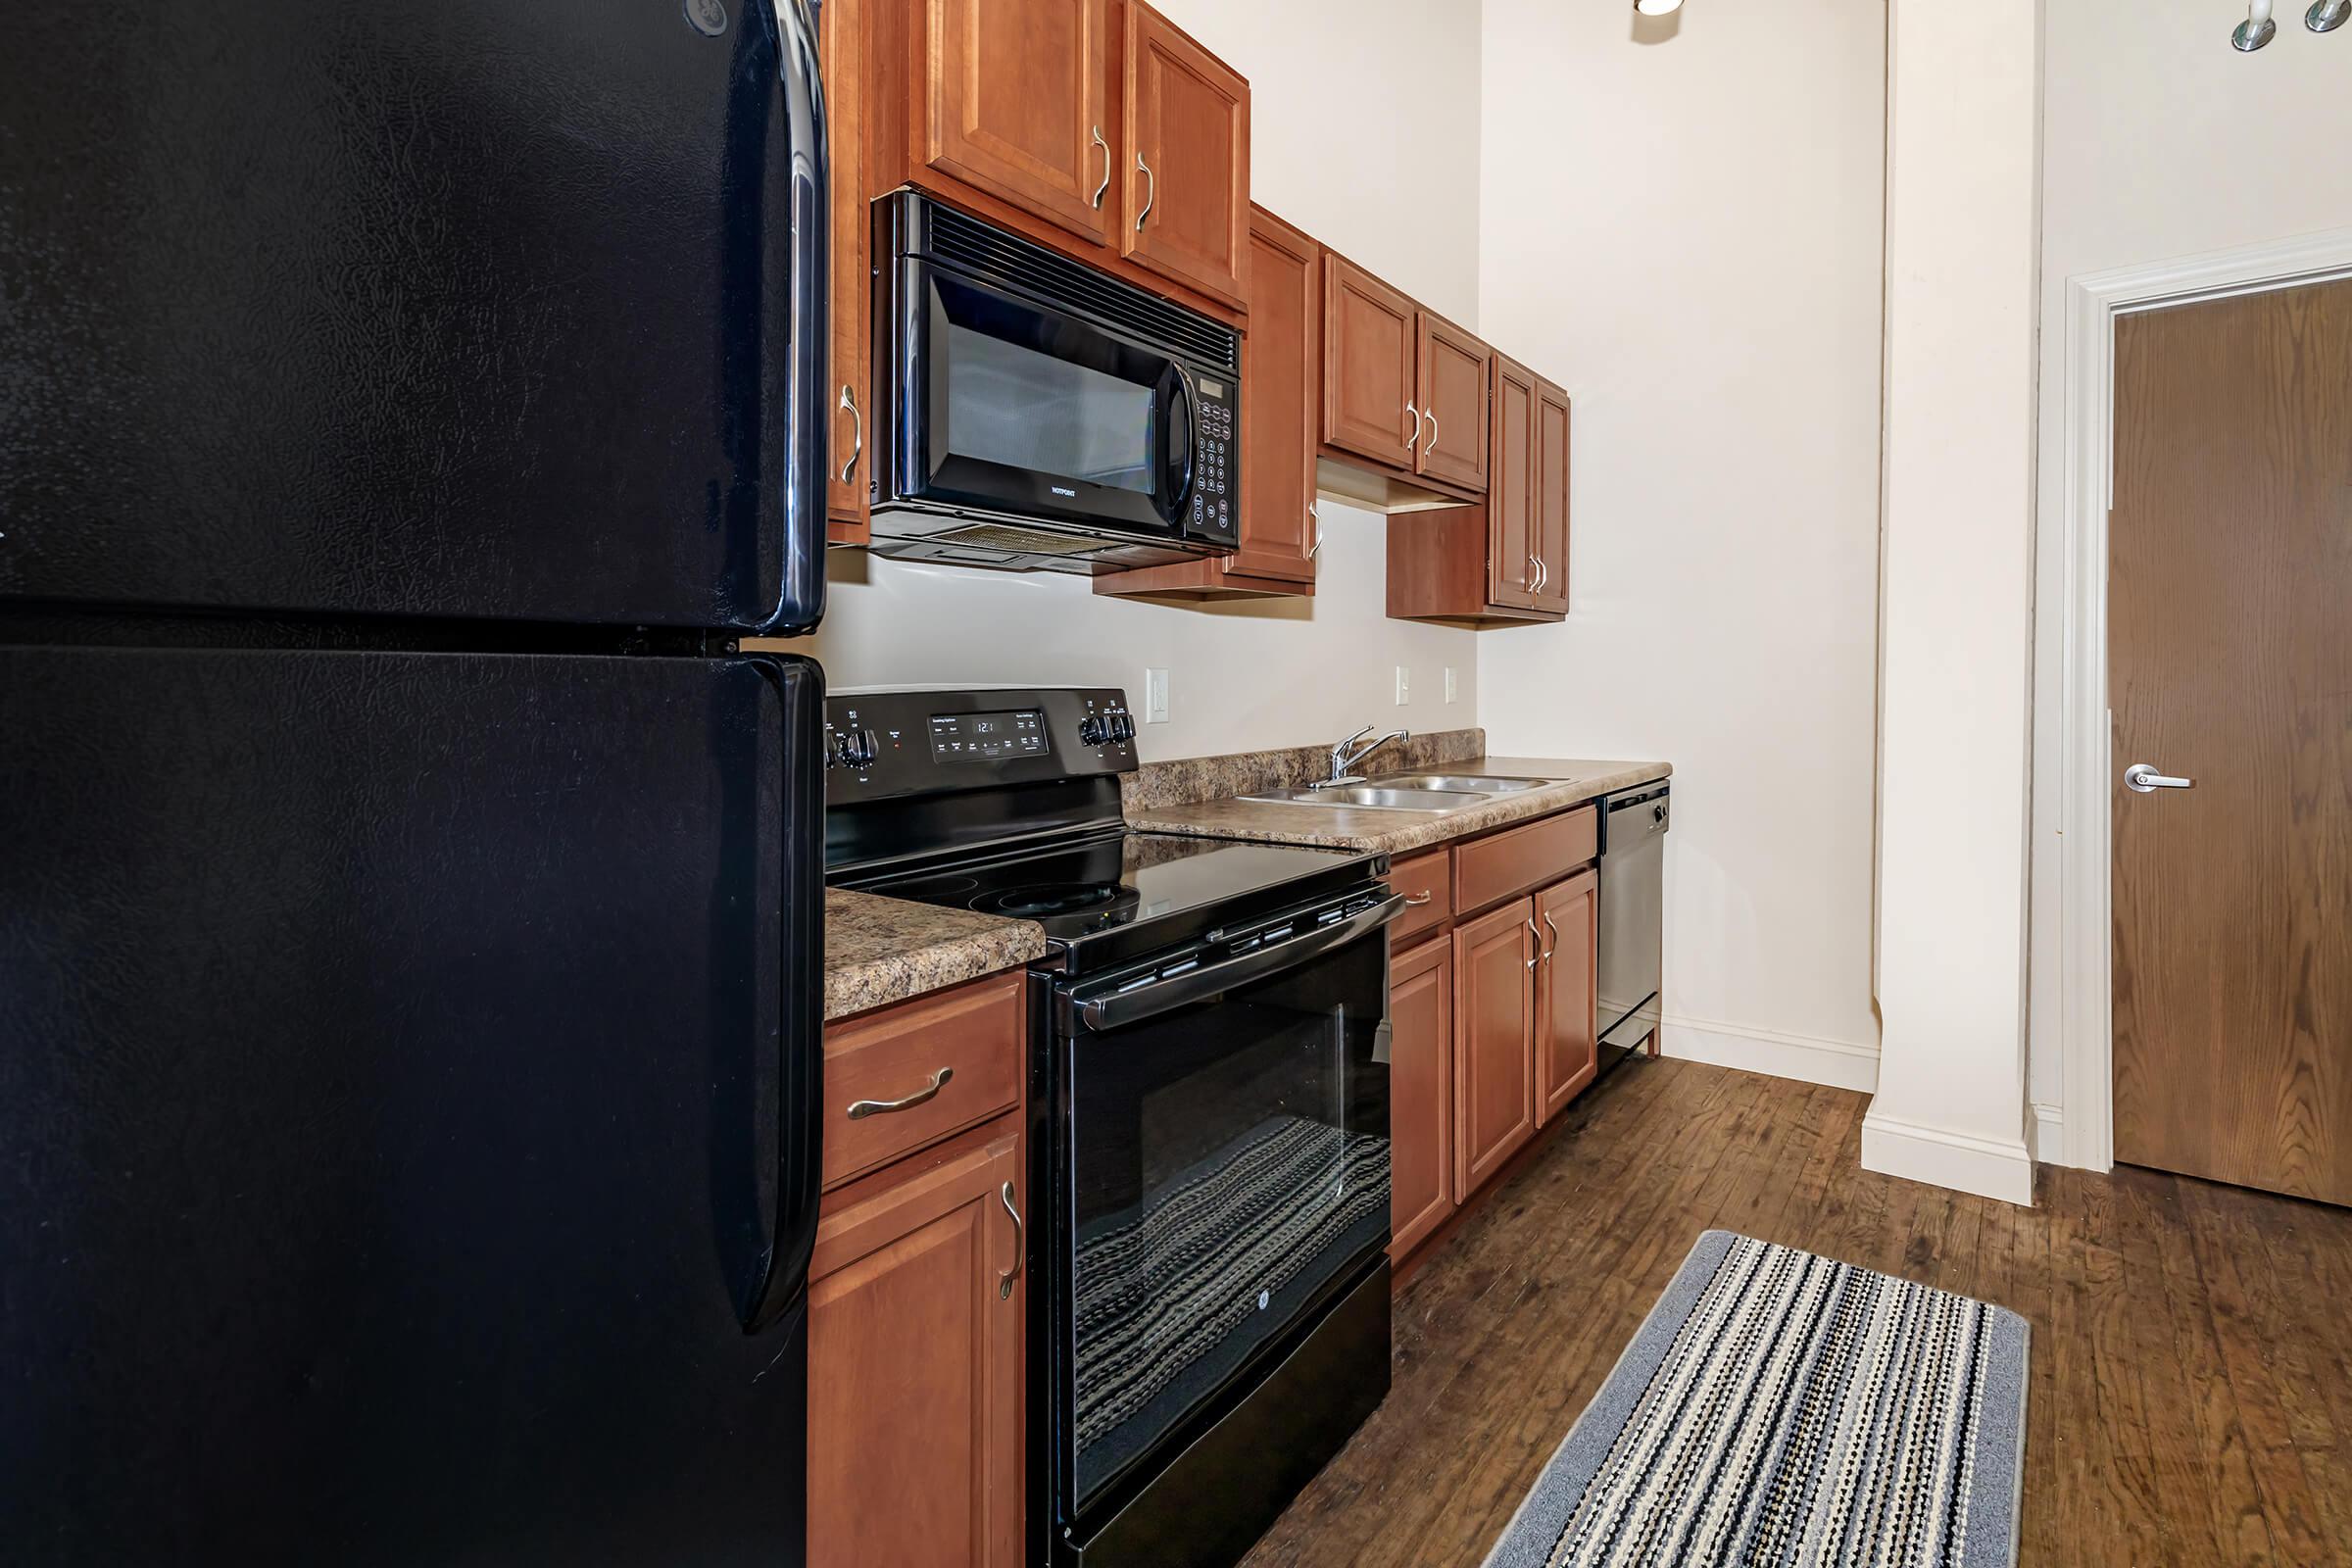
x=1567 y=1043
x=915 y=1369
x=1420 y=1094
x=1493 y=1023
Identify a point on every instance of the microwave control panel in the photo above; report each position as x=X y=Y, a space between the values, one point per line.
x=1216 y=504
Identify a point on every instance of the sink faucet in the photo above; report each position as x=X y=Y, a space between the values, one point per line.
x=1343 y=759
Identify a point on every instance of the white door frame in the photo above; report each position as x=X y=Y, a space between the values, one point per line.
x=2085 y=979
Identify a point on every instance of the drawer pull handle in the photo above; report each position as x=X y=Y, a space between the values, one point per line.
x=1555 y=937
x=1019 y=1245
x=1416 y=902
x=860 y=1109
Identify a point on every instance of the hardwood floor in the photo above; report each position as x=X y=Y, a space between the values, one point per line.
x=2191 y=1398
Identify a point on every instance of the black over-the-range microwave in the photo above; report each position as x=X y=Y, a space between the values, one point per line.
x=1040 y=415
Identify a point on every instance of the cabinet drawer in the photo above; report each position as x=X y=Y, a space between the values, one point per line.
x=1427 y=883
x=971 y=1035
x=1523 y=857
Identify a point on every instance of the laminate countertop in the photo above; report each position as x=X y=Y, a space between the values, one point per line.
x=880 y=950
x=1349 y=827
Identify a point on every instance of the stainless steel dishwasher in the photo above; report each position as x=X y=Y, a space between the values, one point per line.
x=1633 y=908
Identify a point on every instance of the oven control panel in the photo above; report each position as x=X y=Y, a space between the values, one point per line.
x=884 y=743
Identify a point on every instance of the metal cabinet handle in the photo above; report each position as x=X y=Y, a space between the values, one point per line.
x=1005 y=1278
x=1418 y=903
x=1412 y=416
x=2144 y=778
x=1151 y=191
x=1430 y=446
x=1315 y=549
x=860 y=1109
x=858 y=451
x=1543 y=572
x=1108 y=162
x=1555 y=937
x=1538 y=936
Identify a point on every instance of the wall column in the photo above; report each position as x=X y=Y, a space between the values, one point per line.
x=1963 y=190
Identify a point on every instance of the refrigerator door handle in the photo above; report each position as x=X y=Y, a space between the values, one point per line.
x=801 y=582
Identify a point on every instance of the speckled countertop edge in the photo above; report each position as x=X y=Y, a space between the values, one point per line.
x=879 y=950
x=1396 y=832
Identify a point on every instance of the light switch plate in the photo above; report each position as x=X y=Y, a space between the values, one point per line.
x=1450 y=693
x=1404 y=685
x=1156 y=696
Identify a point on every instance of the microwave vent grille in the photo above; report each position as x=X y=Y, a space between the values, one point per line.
x=1026 y=541
x=1191 y=336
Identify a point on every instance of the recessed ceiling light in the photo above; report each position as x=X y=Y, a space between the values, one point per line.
x=1657 y=8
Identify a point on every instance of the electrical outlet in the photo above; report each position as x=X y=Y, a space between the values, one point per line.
x=1404 y=685
x=1156 y=696
x=1450 y=692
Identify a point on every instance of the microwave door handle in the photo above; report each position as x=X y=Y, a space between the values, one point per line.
x=1192 y=421
x=1119 y=1009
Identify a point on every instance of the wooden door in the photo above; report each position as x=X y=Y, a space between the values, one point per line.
x=1511 y=487
x=1493 y=1042
x=1551 y=499
x=1420 y=1094
x=1452 y=374
x=1278 y=358
x=1369 y=339
x=915 y=1369
x=1567 y=1032
x=2230 y=662
x=842 y=52
x=1015 y=101
x=1187 y=159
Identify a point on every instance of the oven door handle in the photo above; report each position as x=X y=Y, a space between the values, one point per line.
x=1119 y=1008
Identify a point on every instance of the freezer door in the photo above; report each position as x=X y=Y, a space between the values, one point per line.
x=407 y=1069
x=467 y=308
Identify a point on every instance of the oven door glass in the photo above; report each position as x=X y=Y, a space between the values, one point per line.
x=1016 y=407
x=1228 y=1171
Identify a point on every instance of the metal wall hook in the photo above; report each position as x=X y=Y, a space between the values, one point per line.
x=2256 y=31
x=2326 y=16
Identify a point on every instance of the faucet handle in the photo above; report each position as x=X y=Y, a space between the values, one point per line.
x=1353 y=739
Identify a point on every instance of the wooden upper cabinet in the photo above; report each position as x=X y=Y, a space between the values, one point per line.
x=915 y=1445
x=1511 y=486
x=1187 y=159
x=842 y=45
x=1017 y=103
x=1567 y=1033
x=1278 y=404
x=1550 y=469
x=1421 y=1192
x=1451 y=392
x=1493 y=1040
x=1370 y=338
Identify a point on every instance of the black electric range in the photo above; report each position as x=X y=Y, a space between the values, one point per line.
x=1208 y=1111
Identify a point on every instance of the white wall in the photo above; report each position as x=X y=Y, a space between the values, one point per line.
x=1364 y=132
x=2159 y=141
x=1686 y=234
x=1963 y=212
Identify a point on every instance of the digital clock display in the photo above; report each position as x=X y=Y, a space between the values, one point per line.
x=989 y=737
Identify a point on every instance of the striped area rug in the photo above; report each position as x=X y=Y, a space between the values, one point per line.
x=1781 y=1410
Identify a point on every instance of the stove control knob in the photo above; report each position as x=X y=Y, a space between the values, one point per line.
x=1093 y=731
x=864 y=744
x=1122 y=727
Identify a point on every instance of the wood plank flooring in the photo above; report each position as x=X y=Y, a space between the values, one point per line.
x=2191 y=1395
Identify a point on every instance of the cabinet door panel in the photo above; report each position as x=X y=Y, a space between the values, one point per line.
x=1187 y=160
x=1368 y=346
x=914 y=1373
x=1551 y=496
x=1511 y=486
x=1278 y=405
x=1452 y=376
x=1567 y=1033
x=842 y=52
x=1014 y=104
x=1420 y=1094
x=1493 y=1042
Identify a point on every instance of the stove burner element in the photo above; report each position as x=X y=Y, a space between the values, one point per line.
x=1052 y=898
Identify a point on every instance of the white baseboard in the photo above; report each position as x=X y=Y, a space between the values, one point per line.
x=1990 y=1168
x=2049 y=1134
x=1808 y=1059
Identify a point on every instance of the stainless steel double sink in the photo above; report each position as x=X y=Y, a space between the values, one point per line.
x=1409 y=792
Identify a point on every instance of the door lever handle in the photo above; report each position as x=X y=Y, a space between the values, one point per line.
x=2146 y=779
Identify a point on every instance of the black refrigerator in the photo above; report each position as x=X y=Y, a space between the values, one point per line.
x=410 y=891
